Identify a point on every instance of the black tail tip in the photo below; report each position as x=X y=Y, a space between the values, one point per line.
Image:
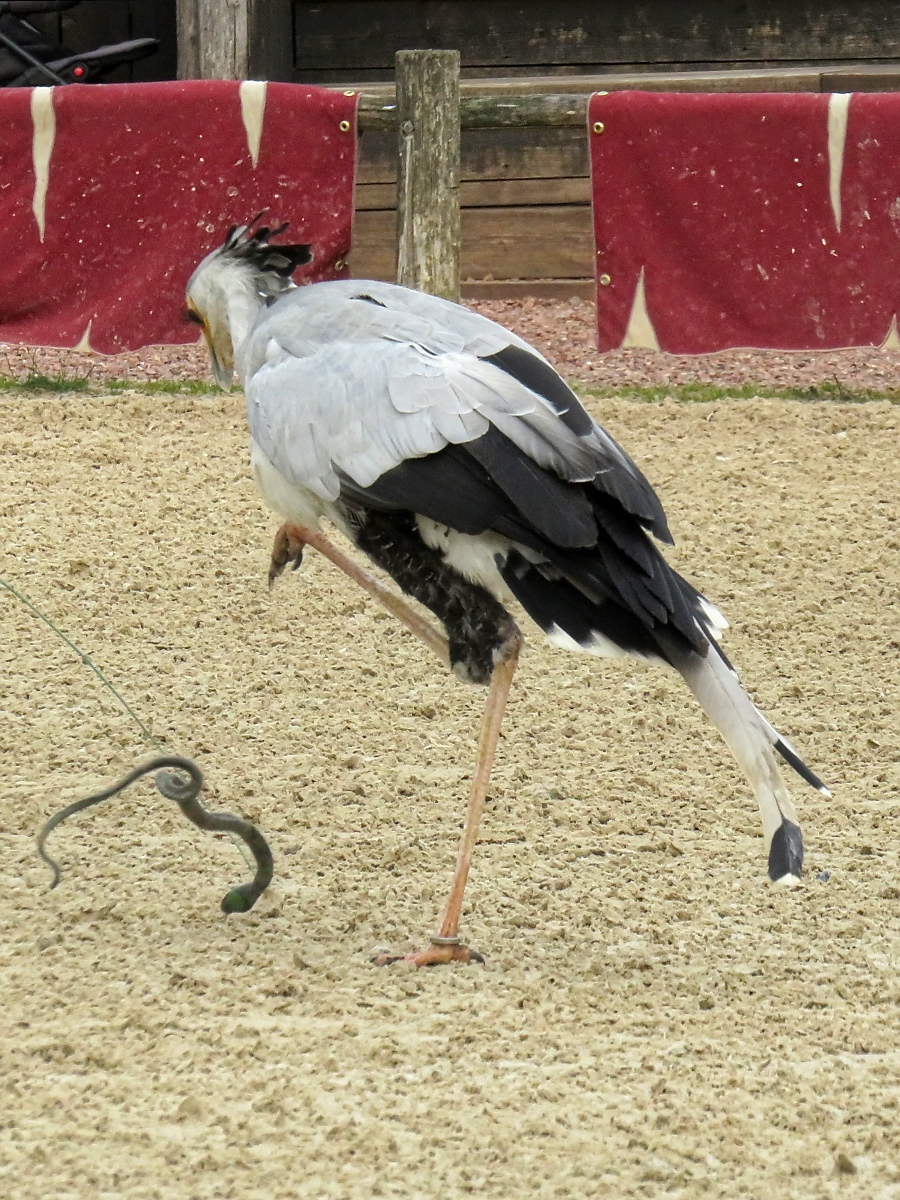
x=786 y=854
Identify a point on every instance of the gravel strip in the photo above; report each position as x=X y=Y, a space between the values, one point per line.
x=563 y=330
x=181 y=363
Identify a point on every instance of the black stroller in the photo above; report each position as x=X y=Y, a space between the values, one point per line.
x=28 y=58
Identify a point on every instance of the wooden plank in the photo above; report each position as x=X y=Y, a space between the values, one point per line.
x=490 y=154
x=428 y=171
x=363 y=35
x=551 y=242
x=488 y=193
x=374 y=253
x=650 y=78
x=883 y=78
x=514 y=193
x=491 y=112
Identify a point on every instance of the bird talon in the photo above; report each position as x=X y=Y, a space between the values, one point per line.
x=434 y=955
x=287 y=548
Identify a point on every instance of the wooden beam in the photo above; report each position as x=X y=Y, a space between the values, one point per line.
x=875 y=77
x=522 y=289
x=427 y=117
x=542 y=102
x=489 y=154
x=488 y=193
x=487 y=112
x=506 y=112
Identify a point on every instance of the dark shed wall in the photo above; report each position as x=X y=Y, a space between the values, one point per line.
x=336 y=41
x=355 y=40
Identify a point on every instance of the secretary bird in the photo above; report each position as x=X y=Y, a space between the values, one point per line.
x=451 y=453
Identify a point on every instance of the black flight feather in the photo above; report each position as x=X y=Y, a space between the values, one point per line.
x=624 y=480
x=538 y=376
x=556 y=602
x=556 y=510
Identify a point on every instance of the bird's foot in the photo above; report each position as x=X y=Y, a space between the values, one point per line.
x=437 y=954
x=288 y=548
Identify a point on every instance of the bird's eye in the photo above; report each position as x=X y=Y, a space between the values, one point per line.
x=194 y=316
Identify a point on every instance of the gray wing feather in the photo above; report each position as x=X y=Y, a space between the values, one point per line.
x=337 y=384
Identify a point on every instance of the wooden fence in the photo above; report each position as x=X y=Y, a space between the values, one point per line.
x=460 y=225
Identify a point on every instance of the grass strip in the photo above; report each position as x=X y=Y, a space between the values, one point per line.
x=683 y=393
x=83 y=383
x=704 y=393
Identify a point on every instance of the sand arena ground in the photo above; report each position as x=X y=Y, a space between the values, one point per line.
x=653 y=1018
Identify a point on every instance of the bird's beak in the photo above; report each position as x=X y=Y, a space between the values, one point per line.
x=222 y=356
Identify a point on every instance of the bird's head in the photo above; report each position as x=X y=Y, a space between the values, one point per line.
x=232 y=283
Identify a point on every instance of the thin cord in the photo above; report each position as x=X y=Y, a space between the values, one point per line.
x=87 y=662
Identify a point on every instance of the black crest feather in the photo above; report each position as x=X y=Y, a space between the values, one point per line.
x=252 y=245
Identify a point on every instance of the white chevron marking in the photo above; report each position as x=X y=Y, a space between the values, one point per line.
x=892 y=341
x=43 y=119
x=640 y=334
x=253 y=104
x=838 y=111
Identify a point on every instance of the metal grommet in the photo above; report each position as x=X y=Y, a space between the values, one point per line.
x=351 y=93
x=339 y=265
x=599 y=127
x=344 y=126
x=605 y=280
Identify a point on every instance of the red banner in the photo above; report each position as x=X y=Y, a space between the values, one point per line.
x=766 y=220
x=110 y=195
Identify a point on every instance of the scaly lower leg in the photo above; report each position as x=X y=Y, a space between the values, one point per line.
x=445 y=946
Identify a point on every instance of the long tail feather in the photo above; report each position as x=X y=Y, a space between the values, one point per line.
x=752 y=741
x=781 y=744
x=572 y=618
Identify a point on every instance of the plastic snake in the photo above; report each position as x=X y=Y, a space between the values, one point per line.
x=184 y=790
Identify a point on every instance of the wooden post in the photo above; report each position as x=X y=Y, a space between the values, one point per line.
x=234 y=39
x=214 y=38
x=188 y=35
x=428 y=226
